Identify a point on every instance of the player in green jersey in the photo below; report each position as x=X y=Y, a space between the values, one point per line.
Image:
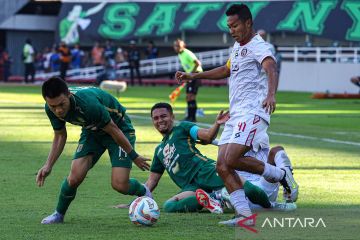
x=186 y=166
x=190 y=64
x=105 y=126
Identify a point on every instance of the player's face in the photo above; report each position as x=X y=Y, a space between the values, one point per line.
x=163 y=120
x=176 y=47
x=59 y=105
x=239 y=30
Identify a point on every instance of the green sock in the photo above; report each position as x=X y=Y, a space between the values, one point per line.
x=256 y=195
x=189 y=204
x=67 y=194
x=136 y=188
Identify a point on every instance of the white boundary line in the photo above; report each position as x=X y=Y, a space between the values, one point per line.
x=328 y=140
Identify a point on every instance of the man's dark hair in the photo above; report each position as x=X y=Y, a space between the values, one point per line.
x=241 y=10
x=162 y=105
x=28 y=41
x=54 y=87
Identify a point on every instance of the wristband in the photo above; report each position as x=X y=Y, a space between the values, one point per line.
x=133 y=155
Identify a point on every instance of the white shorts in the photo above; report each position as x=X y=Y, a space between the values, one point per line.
x=248 y=130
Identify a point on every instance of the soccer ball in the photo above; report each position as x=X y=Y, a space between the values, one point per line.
x=144 y=211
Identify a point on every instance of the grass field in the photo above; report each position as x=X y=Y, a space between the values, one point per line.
x=322 y=138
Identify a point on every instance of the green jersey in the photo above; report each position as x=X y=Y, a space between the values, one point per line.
x=187 y=59
x=178 y=155
x=92 y=108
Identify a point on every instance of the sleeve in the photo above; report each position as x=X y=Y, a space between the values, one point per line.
x=98 y=115
x=187 y=126
x=262 y=51
x=56 y=123
x=191 y=56
x=228 y=63
x=194 y=132
x=156 y=165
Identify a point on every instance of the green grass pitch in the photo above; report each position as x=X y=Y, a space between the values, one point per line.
x=322 y=138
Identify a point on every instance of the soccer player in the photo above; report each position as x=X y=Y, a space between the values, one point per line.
x=190 y=64
x=186 y=166
x=356 y=80
x=105 y=126
x=252 y=100
x=276 y=157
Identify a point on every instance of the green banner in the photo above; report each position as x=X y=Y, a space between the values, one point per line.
x=85 y=22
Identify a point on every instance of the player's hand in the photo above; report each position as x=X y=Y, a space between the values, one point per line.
x=269 y=104
x=141 y=162
x=222 y=117
x=42 y=174
x=182 y=77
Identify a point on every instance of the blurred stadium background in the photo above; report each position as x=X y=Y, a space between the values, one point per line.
x=318 y=41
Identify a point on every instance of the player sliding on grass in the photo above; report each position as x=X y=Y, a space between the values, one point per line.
x=105 y=126
x=188 y=168
x=252 y=100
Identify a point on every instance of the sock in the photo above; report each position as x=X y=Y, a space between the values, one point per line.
x=256 y=195
x=239 y=202
x=136 y=188
x=272 y=173
x=67 y=194
x=192 y=107
x=282 y=160
x=189 y=204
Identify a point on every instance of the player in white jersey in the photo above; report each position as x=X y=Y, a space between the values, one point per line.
x=252 y=100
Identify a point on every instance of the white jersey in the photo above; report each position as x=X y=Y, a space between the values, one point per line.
x=248 y=85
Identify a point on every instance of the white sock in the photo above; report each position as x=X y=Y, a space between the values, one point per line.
x=282 y=160
x=272 y=173
x=240 y=203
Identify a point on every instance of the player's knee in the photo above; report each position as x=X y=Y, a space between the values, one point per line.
x=169 y=206
x=120 y=187
x=74 y=181
x=221 y=168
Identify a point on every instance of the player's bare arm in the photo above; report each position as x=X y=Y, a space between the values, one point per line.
x=113 y=130
x=270 y=68
x=153 y=180
x=57 y=147
x=214 y=74
x=207 y=135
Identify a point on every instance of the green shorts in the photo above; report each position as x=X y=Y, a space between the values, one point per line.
x=206 y=178
x=96 y=144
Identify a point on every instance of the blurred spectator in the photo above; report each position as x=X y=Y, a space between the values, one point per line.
x=65 y=59
x=97 y=54
x=120 y=55
x=39 y=62
x=7 y=61
x=109 y=53
x=133 y=57
x=28 y=56
x=2 y=61
x=76 y=57
x=47 y=56
x=151 y=51
x=54 y=60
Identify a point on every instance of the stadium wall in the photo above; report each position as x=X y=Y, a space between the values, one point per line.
x=318 y=77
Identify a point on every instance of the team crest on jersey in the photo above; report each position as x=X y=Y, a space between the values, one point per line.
x=244 y=52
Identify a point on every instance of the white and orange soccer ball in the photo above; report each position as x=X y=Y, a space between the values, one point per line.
x=144 y=211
